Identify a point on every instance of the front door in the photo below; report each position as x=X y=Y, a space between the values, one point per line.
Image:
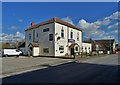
x=72 y=51
x=31 y=51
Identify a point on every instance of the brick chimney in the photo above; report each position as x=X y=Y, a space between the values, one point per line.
x=32 y=24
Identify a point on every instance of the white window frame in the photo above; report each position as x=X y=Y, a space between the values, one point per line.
x=61 y=50
x=45 y=50
x=30 y=37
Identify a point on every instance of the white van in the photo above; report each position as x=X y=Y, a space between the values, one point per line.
x=10 y=52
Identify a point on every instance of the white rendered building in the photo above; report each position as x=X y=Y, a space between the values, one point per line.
x=54 y=37
x=86 y=47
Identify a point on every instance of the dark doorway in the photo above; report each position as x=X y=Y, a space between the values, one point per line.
x=72 y=51
x=31 y=51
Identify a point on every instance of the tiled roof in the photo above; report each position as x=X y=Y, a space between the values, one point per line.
x=52 y=21
x=104 y=41
x=72 y=45
x=34 y=44
x=21 y=45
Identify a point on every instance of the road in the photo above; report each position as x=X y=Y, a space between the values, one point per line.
x=94 y=70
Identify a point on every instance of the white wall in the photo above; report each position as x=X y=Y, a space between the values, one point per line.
x=27 y=40
x=114 y=46
x=75 y=36
x=55 y=29
x=43 y=39
x=64 y=41
x=87 y=45
x=35 y=51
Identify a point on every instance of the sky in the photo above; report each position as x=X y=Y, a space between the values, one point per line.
x=98 y=20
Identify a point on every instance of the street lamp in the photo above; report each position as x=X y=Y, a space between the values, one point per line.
x=86 y=51
x=110 y=44
x=82 y=52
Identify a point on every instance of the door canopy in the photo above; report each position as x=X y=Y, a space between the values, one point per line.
x=72 y=45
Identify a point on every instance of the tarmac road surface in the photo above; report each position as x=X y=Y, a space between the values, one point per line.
x=94 y=70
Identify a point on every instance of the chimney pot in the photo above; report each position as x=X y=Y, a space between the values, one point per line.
x=32 y=24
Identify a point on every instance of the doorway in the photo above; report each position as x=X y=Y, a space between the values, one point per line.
x=31 y=51
x=72 y=51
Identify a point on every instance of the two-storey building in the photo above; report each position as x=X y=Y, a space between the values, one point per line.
x=54 y=37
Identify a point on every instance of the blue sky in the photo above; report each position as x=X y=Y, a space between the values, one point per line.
x=16 y=17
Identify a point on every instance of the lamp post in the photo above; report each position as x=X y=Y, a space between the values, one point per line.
x=110 y=44
x=82 y=52
x=86 y=51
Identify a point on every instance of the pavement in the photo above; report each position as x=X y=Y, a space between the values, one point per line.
x=14 y=65
x=104 y=60
x=103 y=70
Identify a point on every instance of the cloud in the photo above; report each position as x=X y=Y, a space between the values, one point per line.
x=86 y=25
x=114 y=15
x=13 y=27
x=11 y=37
x=107 y=20
x=20 y=20
x=67 y=19
x=114 y=32
x=90 y=29
x=108 y=37
x=102 y=22
x=95 y=29
x=113 y=26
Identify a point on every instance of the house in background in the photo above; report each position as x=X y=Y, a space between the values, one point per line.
x=54 y=37
x=117 y=49
x=105 y=46
x=102 y=46
x=86 y=47
x=93 y=44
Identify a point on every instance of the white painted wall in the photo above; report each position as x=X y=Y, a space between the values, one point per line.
x=114 y=46
x=64 y=41
x=43 y=39
x=75 y=36
x=27 y=40
x=35 y=51
x=87 y=45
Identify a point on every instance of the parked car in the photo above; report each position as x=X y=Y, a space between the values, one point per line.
x=11 y=52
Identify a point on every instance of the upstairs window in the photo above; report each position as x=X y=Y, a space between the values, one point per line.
x=50 y=37
x=46 y=30
x=71 y=35
x=29 y=36
x=37 y=35
x=62 y=33
x=78 y=36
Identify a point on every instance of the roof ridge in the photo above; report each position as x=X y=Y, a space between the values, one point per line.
x=54 y=19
